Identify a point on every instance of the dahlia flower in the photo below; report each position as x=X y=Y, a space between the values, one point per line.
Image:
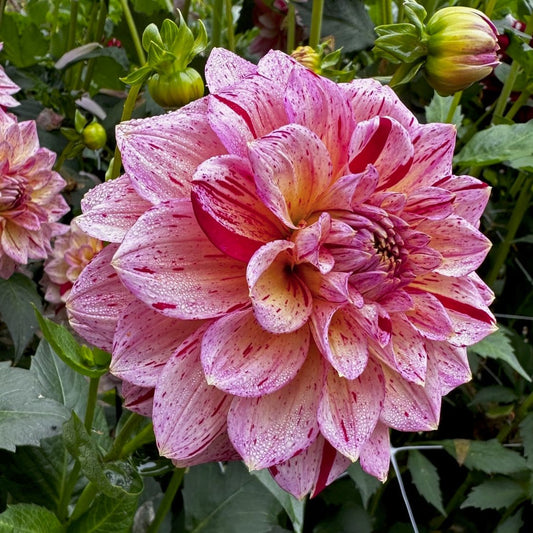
x=30 y=203
x=7 y=88
x=291 y=272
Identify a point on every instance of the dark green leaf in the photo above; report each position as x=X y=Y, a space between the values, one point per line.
x=526 y=432
x=512 y=524
x=497 y=493
x=18 y=295
x=235 y=501
x=426 y=479
x=488 y=456
x=350 y=518
x=137 y=76
x=499 y=346
x=293 y=507
x=149 y=7
x=81 y=358
x=29 y=518
x=26 y=416
x=366 y=484
x=497 y=144
x=439 y=107
x=107 y=515
x=24 y=43
x=494 y=394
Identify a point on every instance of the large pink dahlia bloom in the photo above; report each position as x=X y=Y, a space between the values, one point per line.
x=30 y=203
x=290 y=274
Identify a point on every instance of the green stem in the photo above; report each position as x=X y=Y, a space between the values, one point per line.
x=453 y=106
x=66 y=492
x=127 y=112
x=291 y=28
x=316 y=23
x=456 y=499
x=145 y=435
x=489 y=7
x=216 y=23
x=229 y=26
x=521 y=413
x=133 y=31
x=63 y=156
x=185 y=10
x=71 y=38
x=519 y=102
x=99 y=32
x=386 y=12
x=131 y=424
x=91 y=403
x=2 y=9
x=166 y=502
x=84 y=501
x=506 y=90
x=520 y=209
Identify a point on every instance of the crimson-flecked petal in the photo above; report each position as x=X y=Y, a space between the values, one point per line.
x=161 y=153
x=138 y=399
x=111 y=209
x=188 y=413
x=277 y=66
x=429 y=316
x=375 y=454
x=281 y=301
x=97 y=299
x=349 y=409
x=220 y=449
x=241 y=358
x=311 y=470
x=228 y=209
x=292 y=168
x=271 y=429
x=224 y=68
x=144 y=342
x=452 y=364
x=177 y=270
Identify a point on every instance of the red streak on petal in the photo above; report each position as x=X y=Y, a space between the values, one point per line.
x=465 y=309
x=328 y=458
x=239 y=111
x=373 y=148
x=160 y=306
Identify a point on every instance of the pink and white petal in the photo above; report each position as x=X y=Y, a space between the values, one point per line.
x=311 y=470
x=483 y=289
x=375 y=453
x=169 y=264
x=349 y=409
x=241 y=358
x=228 y=209
x=271 y=429
x=292 y=168
x=220 y=449
x=15 y=242
x=161 y=153
x=224 y=68
x=470 y=317
x=462 y=246
x=369 y=98
x=278 y=67
x=322 y=107
x=281 y=301
x=138 y=399
x=144 y=342
x=97 y=300
x=188 y=413
x=434 y=203
x=428 y=316
x=408 y=406
x=244 y=112
x=110 y=209
x=384 y=143
x=452 y=364
x=340 y=338
x=333 y=287
x=470 y=196
x=309 y=244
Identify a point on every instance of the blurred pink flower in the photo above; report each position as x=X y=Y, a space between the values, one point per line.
x=71 y=253
x=7 y=88
x=30 y=203
x=291 y=271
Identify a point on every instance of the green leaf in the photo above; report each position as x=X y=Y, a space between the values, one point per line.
x=88 y=362
x=293 y=507
x=526 y=432
x=439 y=107
x=498 y=346
x=496 y=145
x=24 y=43
x=498 y=493
x=366 y=484
x=426 y=479
x=107 y=515
x=57 y=380
x=494 y=394
x=137 y=76
x=235 y=500
x=488 y=456
x=29 y=518
x=512 y=524
x=18 y=295
x=149 y=7
x=26 y=416
x=349 y=518
x=113 y=478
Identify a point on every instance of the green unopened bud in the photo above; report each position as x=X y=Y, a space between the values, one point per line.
x=461 y=47
x=176 y=89
x=94 y=136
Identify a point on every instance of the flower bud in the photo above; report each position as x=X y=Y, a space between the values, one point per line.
x=94 y=136
x=175 y=89
x=461 y=47
x=308 y=57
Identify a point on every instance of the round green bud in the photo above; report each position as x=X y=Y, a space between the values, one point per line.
x=176 y=89
x=94 y=136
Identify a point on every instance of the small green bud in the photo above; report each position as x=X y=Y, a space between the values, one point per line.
x=94 y=136
x=176 y=89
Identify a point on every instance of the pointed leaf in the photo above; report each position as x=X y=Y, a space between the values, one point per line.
x=29 y=518
x=497 y=493
x=366 y=484
x=426 y=479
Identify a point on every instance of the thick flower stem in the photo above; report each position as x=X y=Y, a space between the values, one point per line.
x=131 y=424
x=145 y=435
x=229 y=27
x=453 y=106
x=520 y=209
x=518 y=103
x=291 y=28
x=91 y=403
x=316 y=23
x=216 y=32
x=84 y=501
x=386 y=12
x=489 y=7
x=133 y=32
x=166 y=502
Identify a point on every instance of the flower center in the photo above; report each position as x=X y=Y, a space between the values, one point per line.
x=13 y=196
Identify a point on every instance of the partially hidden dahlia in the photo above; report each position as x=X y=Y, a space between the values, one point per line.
x=30 y=199
x=7 y=88
x=290 y=273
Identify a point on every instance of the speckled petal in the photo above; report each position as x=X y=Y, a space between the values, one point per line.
x=138 y=399
x=220 y=449
x=429 y=316
x=224 y=68
x=452 y=364
x=375 y=454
